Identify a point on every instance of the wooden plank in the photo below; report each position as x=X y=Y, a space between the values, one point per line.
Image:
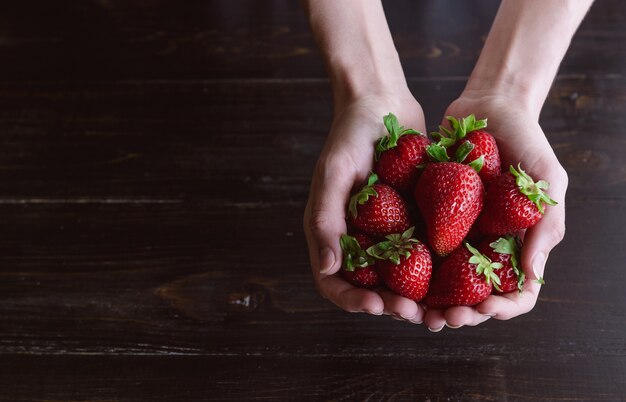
x=250 y=38
x=121 y=279
x=169 y=141
x=437 y=378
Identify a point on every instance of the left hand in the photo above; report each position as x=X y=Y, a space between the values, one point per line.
x=520 y=140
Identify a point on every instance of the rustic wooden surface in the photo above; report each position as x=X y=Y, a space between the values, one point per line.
x=155 y=158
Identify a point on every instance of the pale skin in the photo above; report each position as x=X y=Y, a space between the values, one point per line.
x=509 y=85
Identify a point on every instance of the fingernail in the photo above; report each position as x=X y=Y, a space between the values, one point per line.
x=435 y=329
x=397 y=316
x=373 y=312
x=327 y=260
x=453 y=327
x=489 y=314
x=539 y=265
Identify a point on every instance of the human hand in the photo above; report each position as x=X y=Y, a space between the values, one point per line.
x=344 y=164
x=520 y=139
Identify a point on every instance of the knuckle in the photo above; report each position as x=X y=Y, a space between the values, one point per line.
x=337 y=165
x=318 y=221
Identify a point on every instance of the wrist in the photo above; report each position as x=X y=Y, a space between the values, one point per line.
x=524 y=48
x=523 y=94
x=370 y=77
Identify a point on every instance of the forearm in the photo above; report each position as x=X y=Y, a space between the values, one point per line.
x=357 y=47
x=524 y=48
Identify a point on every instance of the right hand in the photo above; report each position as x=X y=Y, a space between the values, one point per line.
x=343 y=166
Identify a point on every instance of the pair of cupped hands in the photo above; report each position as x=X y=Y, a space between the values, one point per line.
x=347 y=159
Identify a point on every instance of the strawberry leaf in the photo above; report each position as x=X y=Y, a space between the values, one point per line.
x=534 y=191
x=437 y=153
x=484 y=266
x=395 y=131
x=463 y=150
x=353 y=255
x=510 y=245
x=362 y=196
x=477 y=164
x=396 y=246
x=436 y=136
x=465 y=125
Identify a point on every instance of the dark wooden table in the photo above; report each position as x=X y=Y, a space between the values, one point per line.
x=155 y=158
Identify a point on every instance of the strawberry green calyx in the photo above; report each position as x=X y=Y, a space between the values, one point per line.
x=463 y=150
x=353 y=255
x=484 y=266
x=395 y=131
x=362 y=196
x=460 y=128
x=437 y=153
x=532 y=190
x=447 y=138
x=477 y=163
x=510 y=245
x=461 y=154
x=396 y=246
x=465 y=125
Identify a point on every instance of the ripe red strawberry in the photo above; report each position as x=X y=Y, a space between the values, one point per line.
x=483 y=146
x=450 y=197
x=505 y=250
x=378 y=210
x=469 y=143
x=357 y=264
x=465 y=278
x=406 y=266
x=400 y=156
x=513 y=202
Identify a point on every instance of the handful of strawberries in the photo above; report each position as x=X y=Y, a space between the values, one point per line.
x=413 y=224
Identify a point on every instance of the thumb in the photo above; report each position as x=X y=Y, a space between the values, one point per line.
x=324 y=220
x=543 y=237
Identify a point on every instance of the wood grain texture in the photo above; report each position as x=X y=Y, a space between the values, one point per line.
x=167 y=39
x=442 y=378
x=155 y=158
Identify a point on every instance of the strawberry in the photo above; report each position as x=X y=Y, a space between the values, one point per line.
x=400 y=156
x=357 y=264
x=450 y=197
x=378 y=210
x=505 y=250
x=465 y=278
x=468 y=143
x=513 y=202
x=484 y=146
x=406 y=266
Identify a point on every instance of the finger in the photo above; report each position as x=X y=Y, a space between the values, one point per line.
x=546 y=234
x=325 y=214
x=349 y=297
x=512 y=304
x=458 y=316
x=401 y=307
x=435 y=320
